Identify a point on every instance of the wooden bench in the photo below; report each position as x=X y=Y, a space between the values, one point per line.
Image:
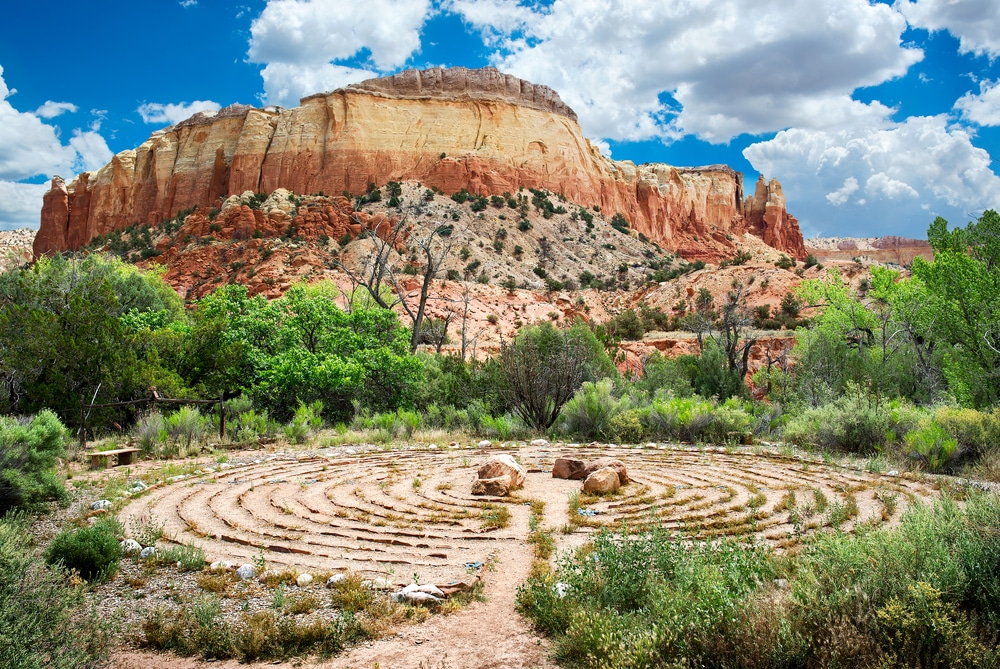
x=123 y=456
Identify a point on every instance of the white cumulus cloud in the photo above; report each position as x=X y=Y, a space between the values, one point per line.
x=169 y=114
x=843 y=194
x=982 y=108
x=911 y=171
x=20 y=204
x=976 y=23
x=30 y=148
x=301 y=41
x=52 y=109
x=647 y=68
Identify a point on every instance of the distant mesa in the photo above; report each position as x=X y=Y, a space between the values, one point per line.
x=455 y=128
x=888 y=250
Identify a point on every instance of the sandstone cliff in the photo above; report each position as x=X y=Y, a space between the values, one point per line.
x=893 y=250
x=451 y=129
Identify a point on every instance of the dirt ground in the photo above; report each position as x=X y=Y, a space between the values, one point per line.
x=408 y=512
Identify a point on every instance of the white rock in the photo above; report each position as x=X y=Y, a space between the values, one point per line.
x=304 y=580
x=137 y=486
x=130 y=547
x=101 y=504
x=561 y=589
x=892 y=473
x=147 y=552
x=220 y=565
x=334 y=580
x=246 y=572
x=539 y=442
x=485 y=443
x=416 y=597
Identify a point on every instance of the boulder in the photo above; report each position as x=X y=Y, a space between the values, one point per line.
x=335 y=579
x=613 y=463
x=502 y=464
x=246 y=572
x=602 y=482
x=101 y=505
x=304 y=580
x=147 y=552
x=130 y=547
x=539 y=443
x=496 y=487
x=569 y=468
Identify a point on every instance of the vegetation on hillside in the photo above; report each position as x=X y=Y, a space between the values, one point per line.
x=903 y=369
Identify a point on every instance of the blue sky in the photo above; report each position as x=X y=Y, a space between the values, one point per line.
x=875 y=116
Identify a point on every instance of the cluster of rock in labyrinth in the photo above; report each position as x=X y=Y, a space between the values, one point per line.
x=392 y=514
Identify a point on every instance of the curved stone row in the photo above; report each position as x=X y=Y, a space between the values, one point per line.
x=412 y=511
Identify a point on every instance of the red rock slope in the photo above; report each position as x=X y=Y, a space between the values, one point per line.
x=449 y=128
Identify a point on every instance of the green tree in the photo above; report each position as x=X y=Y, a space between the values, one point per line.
x=963 y=287
x=299 y=348
x=67 y=330
x=876 y=341
x=543 y=367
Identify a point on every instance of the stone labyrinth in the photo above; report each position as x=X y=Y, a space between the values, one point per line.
x=410 y=510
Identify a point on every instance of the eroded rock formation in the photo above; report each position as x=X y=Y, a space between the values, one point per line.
x=476 y=129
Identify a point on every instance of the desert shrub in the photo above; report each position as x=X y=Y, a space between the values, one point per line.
x=239 y=405
x=679 y=418
x=250 y=425
x=627 y=426
x=662 y=373
x=306 y=421
x=93 y=552
x=977 y=432
x=713 y=376
x=919 y=629
x=150 y=431
x=649 y=601
x=932 y=445
x=500 y=427
x=187 y=425
x=731 y=421
x=852 y=423
x=627 y=325
x=920 y=595
x=587 y=415
x=543 y=367
x=28 y=453
x=940 y=554
x=42 y=620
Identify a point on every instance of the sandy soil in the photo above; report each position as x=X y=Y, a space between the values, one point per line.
x=409 y=511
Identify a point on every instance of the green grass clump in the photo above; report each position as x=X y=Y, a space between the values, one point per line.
x=495 y=516
x=926 y=594
x=200 y=630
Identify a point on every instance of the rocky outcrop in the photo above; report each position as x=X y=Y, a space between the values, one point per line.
x=476 y=129
x=890 y=250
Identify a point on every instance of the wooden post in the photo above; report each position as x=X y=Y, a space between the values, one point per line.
x=83 y=426
x=222 y=416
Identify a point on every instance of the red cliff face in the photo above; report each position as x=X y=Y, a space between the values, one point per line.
x=456 y=128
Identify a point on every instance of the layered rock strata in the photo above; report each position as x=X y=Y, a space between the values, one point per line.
x=447 y=128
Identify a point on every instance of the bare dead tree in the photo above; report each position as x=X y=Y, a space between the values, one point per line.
x=542 y=370
x=735 y=321
x=379 y=272
x=467 y=339
x=434 y=331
